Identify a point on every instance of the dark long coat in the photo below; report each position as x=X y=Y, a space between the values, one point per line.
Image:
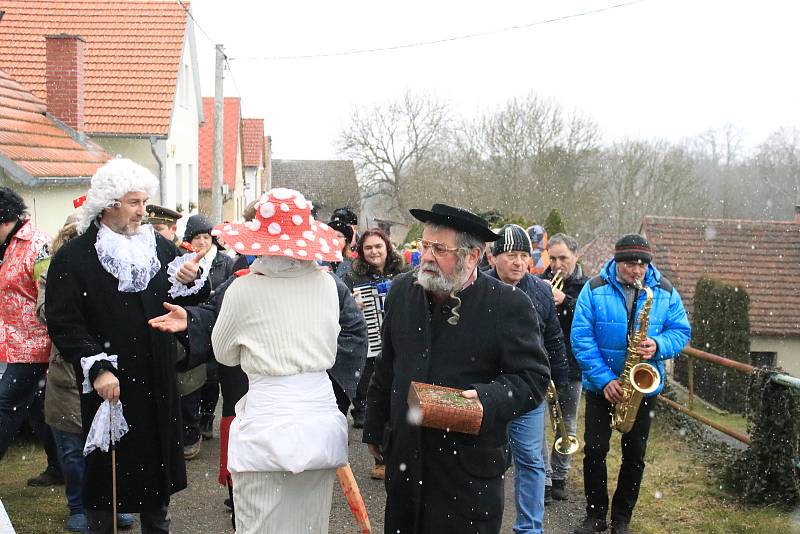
x=439 y=481
x=87 y=315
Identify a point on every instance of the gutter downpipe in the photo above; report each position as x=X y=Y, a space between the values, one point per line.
x=162 y=179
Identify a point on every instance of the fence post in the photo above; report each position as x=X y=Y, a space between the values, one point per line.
x=690 y=377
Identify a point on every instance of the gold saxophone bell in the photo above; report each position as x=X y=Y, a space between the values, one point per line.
x=566 y=444
x=558 y=281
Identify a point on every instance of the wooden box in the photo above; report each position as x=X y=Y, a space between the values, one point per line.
x=444 y=408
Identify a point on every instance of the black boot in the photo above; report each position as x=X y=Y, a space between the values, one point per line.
x=590 y=525
x=548 y=495
x=560 y=492
x=619 y=527
x=207 y=427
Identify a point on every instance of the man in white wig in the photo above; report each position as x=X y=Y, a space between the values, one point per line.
x=103 y=286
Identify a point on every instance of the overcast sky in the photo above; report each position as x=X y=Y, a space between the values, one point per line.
x=654 y=69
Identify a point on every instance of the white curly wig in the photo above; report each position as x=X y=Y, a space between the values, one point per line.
x=110 y=183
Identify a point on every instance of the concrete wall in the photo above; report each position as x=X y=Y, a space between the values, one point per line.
x=787 y=348
x=49 y=206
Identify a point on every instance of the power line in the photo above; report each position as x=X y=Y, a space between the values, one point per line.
x=438 y=41
x=197 y=24
x=233 y=78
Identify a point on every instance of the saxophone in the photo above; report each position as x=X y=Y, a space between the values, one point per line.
x=638 y=378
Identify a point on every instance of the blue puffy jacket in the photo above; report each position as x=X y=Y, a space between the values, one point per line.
x=600 y=326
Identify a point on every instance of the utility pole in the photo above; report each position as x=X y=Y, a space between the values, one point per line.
x=216 y=183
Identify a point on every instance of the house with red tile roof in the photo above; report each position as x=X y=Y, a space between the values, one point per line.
x=594 y=254
x=255 y=158
x=129 y=77
x=233 y=203
x=761 y=256
x=40 y=153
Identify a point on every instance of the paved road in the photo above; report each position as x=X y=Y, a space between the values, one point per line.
x=200 y=509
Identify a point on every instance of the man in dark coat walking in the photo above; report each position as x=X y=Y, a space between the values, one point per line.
x=102 y=288
x=450 y=325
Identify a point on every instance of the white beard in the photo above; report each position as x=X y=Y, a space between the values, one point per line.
x=438 y=282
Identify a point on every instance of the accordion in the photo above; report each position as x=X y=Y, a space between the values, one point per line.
x=372 y=297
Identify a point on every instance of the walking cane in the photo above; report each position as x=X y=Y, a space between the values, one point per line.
x=113 y=470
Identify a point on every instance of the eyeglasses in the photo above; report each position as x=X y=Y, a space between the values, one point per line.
x=439 y=250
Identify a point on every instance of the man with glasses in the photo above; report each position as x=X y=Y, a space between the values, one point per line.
x=448 y=324
x=605 y=318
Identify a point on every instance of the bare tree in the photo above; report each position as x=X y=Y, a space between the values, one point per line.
x=778 y=162
x=389 y=142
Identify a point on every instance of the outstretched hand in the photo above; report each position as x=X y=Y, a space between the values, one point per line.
x=189 y=271
x=174 y=321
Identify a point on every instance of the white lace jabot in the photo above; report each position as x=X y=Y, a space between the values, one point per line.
x=130 y=259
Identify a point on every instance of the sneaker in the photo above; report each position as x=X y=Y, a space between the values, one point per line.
x=125 y=521
x=560 y=492
x=77 y=523
x=590 y=525
x=190 y=452
x=378 y=472
x=207 y=428
x=47 y=478
x=548 y=495
x=620 y=527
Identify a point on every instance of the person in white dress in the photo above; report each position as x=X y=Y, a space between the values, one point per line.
x=280 y=323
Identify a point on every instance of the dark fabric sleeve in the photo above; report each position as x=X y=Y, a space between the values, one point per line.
x=351 y=345
x=380 y=385
x=525 y=373
x=201 y=321
x=554 y=342
x=66 y=324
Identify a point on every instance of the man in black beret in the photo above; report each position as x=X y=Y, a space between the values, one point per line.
x=448 y=324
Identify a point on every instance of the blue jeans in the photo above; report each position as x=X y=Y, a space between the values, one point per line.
x=21 y=396
x=70 y=453
x=526 y=435
x=558 y=464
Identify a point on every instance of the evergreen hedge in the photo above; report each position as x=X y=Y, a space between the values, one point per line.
x=720 y=325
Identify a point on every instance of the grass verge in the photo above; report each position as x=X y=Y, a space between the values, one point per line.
x=32 y=510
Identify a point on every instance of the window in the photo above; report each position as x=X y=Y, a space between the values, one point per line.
x=760 y=359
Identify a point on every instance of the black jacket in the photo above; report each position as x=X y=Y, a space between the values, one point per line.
x=542 y=298
x=87 y=315
x=361 y=272
x=439 y=481
x=566 y=311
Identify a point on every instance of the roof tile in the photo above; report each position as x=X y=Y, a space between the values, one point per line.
x=36 y=143
x=231 y=115
x=132 y=52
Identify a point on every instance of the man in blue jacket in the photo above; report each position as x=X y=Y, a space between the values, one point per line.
x=512 y=252
x=605 y=317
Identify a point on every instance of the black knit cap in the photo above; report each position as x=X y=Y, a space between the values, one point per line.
x=633 y=247
x=197 y=224
x=512 y=237
x=347 y=215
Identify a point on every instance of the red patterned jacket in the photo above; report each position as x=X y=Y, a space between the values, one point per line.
x=23 y=339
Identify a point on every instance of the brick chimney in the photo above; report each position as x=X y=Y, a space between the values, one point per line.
x=64 y=78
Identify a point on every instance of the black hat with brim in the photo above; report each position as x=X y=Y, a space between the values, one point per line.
x=458 y=219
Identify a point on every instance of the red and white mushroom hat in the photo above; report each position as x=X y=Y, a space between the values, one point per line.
x=283 y=226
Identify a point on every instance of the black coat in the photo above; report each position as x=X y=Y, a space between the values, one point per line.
x=542 y=298
x=566 y=311
x=439 y=481
x=87 y=315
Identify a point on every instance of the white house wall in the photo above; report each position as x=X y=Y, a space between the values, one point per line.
x=787 y=349
x=48 y=206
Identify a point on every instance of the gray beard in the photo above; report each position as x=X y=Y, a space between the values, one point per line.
x=439 y=282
